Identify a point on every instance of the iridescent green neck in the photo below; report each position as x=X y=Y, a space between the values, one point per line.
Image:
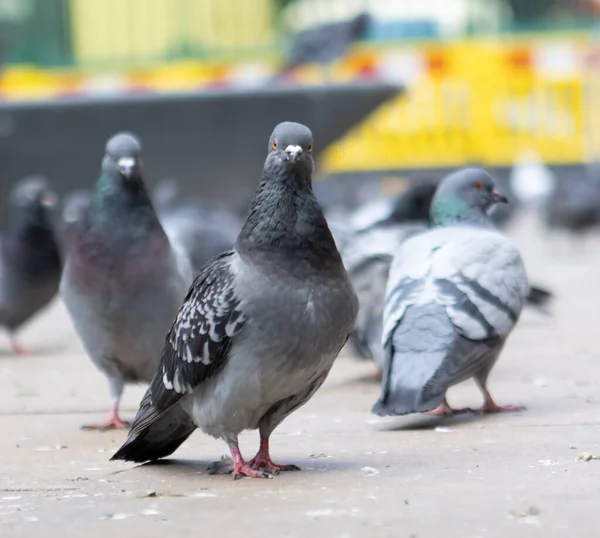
x=115 y=199
x=452 y=210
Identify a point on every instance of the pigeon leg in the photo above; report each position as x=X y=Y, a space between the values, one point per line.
x=113 y=423
x=16 y=346
x=444 y=410
x=263 y=460
x=489 y=405
x=240 y=467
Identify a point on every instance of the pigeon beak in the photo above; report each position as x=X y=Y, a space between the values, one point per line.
x=498 y=198
x=49 y=199
x=127 y=165
x=293 y=152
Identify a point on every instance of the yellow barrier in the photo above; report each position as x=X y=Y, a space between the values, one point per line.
x=482 y=101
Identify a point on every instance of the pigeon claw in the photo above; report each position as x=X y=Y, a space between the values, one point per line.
x=17 y=348
x=113 y=423
x=259 y=462
x=244 y=469
x=444 y=410
x=493 y=407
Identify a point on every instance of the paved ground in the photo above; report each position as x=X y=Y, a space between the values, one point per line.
x=499 y=476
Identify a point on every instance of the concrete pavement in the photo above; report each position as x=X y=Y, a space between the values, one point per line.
x=512 y=475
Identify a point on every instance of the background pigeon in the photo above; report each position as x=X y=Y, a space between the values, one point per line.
x=574 y=205
x=123 y=281
x=454 y=294
x=324 y=44
x=368 y=255
x=260 y=328
x=75 y=206
x=30 y=262
x=203 y=233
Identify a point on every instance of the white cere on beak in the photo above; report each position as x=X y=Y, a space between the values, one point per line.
x=126 y=165
x=293 y=152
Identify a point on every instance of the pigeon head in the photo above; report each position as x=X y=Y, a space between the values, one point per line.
x=31 y=201
x=33 y=192
x=465 y=196
x=123 y=155
x=290 y=148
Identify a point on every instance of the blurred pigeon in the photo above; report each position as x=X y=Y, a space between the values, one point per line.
x=75 y=206
x=30 y=262
x=367 y=259
x=166 y=194
x=454 y=294
x=260 y=328
x=123 y=281
x=201 y=230
x=325 y=43
x=202 y=233
x=574 y=205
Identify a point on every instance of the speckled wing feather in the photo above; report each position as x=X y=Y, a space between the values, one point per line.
x=198 y=343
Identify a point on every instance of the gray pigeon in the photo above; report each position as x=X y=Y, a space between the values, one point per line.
x=202 y=231
x=75 y=206
x=261 y=326
x=367 y=259
x=123 y=280
x=30 y=262
x=453 y=296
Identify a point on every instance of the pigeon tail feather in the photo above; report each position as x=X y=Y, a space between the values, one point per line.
x=412 y=362
x=158 y=438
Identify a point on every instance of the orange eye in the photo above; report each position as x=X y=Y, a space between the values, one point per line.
x=274 y=144
x=477 y=186
x=309 y=148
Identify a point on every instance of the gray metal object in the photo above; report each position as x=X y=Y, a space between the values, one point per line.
x=213 y=142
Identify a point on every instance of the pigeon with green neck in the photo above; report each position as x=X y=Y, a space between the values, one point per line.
x=454 y=294
x=123 y=280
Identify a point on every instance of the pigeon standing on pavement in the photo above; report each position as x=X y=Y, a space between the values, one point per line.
x=261 y=326
x=123 y=281
x=368 y=256
x=30 y=261
x=454 y=295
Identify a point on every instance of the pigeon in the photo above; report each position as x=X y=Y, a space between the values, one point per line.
x=453 y=296
x=325 y=43
x=123 y=280
x=574 y=205
x=202 y=233
x=30 y=261
x=260 y=327
x=367 y=259
x=368 y=256
x=201 y=230
x=75 y=206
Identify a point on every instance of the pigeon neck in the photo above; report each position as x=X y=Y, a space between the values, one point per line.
x=286 y=222
x=118 y=199
x=450 y=211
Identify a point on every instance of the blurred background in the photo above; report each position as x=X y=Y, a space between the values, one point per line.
x=389 y=87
